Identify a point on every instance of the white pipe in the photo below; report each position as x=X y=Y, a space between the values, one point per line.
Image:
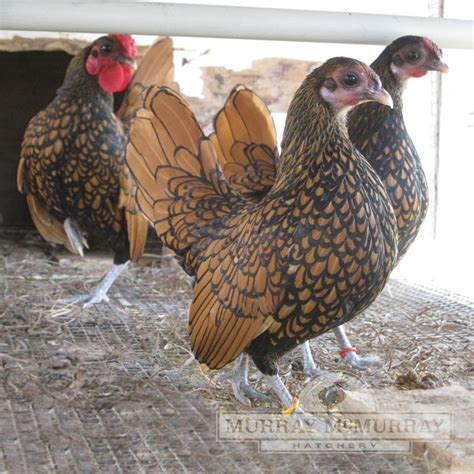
x=228 y=22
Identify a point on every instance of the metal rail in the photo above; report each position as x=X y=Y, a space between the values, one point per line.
x=228 y=22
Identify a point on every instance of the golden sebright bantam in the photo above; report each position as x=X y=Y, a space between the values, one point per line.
x=72 y=166
x=245 y=139
x=312 y=254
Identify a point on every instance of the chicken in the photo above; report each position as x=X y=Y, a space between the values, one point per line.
x=244 y=125
x=245 y=142
x=72 y=166
x=312 y=254
x=381 y=136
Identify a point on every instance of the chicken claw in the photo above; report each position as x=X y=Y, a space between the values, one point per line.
x=362 y=363
x=292 y=406
x=349 y=355
x=100 y=292
x=243 y=392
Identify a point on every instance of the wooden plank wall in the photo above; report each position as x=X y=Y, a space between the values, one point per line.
x=28 y=82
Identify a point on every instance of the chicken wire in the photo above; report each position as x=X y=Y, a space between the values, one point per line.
x=114 y=388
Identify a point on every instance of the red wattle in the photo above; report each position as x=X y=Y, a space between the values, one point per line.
x=92 y=65
x=419 y=73
x=115 y=78
x=127 y=76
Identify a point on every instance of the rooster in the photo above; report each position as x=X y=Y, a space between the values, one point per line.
x=72 y=166
x=270 y=275
x=245 y=139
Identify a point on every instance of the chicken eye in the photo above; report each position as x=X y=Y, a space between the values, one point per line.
x=413 y=56
x=106 y=49
x=350 y=80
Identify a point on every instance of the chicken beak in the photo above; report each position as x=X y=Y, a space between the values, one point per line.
x=439 y=66
x=381 y=96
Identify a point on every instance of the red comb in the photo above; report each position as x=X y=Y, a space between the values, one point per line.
x=432 y=47
x=128 y=44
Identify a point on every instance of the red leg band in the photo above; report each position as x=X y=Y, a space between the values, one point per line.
x=346 y=350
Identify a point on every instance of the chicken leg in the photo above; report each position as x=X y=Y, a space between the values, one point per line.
x=310 y=367
x=291 y=405
x=100 y=292
x=240 y=384
x=348 y=355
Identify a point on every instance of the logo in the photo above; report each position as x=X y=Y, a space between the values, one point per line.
x=341 y=414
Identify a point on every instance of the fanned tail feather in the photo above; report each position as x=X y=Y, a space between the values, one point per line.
x=222 y=239
x=246 y=143
x=156 y=68
x=181 y=189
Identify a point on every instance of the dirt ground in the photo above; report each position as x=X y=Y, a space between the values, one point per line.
x=115 y=388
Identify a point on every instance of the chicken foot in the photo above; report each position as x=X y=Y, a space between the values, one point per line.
x=276 y=383
x=291 y=405
x=351 y=357
x=348 y=355
x=243 y=392
x=100 y=292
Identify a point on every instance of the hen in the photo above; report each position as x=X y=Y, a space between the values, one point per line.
x=246 y=142
x=72 y=166
x=312 y=254
x=381 y=135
